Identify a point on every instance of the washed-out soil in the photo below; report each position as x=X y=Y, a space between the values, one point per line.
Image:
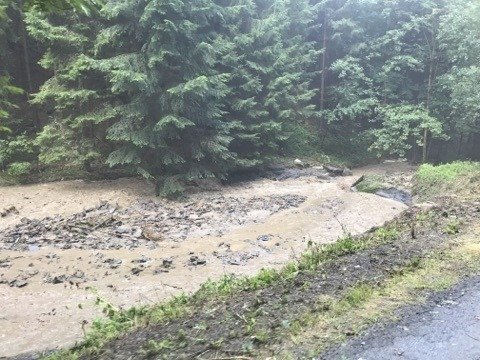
x=248 y=323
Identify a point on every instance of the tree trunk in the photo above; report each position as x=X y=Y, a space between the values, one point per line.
x=459 y=148
x=414 y=151
x=324 y=63
x=425 y=145
x=26 y=61
x=431 y=77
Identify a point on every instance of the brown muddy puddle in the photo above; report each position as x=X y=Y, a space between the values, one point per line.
x=46 y=292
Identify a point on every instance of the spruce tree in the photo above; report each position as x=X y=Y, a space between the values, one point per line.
x=159 y=60
x=7 y=89
x=248 y=55
x=76 y=96
x=290 y=97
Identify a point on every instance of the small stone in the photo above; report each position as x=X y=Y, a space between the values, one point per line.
x=142 y=260
x=167 y=263
x=79 y=274
x=195 y=260
x=350 y=332
x=263 y=238
x=137 y=270
x=59 y=279
x=18 y=283
x=32 y=272
x=124 y=229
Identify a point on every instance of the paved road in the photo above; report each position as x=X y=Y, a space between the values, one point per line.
x=447 y=328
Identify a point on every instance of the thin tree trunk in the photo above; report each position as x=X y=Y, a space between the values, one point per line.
x=414 y=152
x=430 y=84
x=324 y=63
x=429 y=95
x=26 y=60
x=425 y=144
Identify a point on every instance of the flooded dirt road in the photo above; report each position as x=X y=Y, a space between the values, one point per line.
x=116 y=240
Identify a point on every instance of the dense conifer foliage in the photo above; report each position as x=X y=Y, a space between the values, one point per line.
x=182 y=90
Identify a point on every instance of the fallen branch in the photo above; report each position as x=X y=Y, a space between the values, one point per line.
x=359 y=180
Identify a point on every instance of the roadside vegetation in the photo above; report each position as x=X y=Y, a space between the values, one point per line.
x=461 y=178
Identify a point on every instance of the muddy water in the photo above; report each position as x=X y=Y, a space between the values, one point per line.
x=53 y=302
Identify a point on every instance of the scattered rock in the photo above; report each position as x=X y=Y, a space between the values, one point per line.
x=396 y=194
x=18 y=283
x=350 y=332
x=32 y=273
x=137 y=270
x=56 y=279
x=336 y=171
x=264 y=238
x=281 y=174
x=123 y=229
x=145 y=223
x=5 y=263
x=142 y=260
x=237 y=258
x=152 y=234
x=195 y=261
x=113 y=263
x=167 y=263
x=9 y=211
x=33 y=248
x=299 y=163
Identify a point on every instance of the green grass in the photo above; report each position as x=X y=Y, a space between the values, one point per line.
x=371 y=184
x=431 y=174
x=453 y=178
x=364 y=304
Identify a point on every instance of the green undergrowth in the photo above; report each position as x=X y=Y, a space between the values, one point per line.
x=119 y=321
x=371 y=184
x=457 y=178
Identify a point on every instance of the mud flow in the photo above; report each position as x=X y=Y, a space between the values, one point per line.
x=63 y=243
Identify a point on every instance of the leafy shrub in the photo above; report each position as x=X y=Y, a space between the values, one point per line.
x=18 y=149
x=19 y=169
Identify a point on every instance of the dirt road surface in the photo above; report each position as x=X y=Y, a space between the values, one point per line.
x=133 y=249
